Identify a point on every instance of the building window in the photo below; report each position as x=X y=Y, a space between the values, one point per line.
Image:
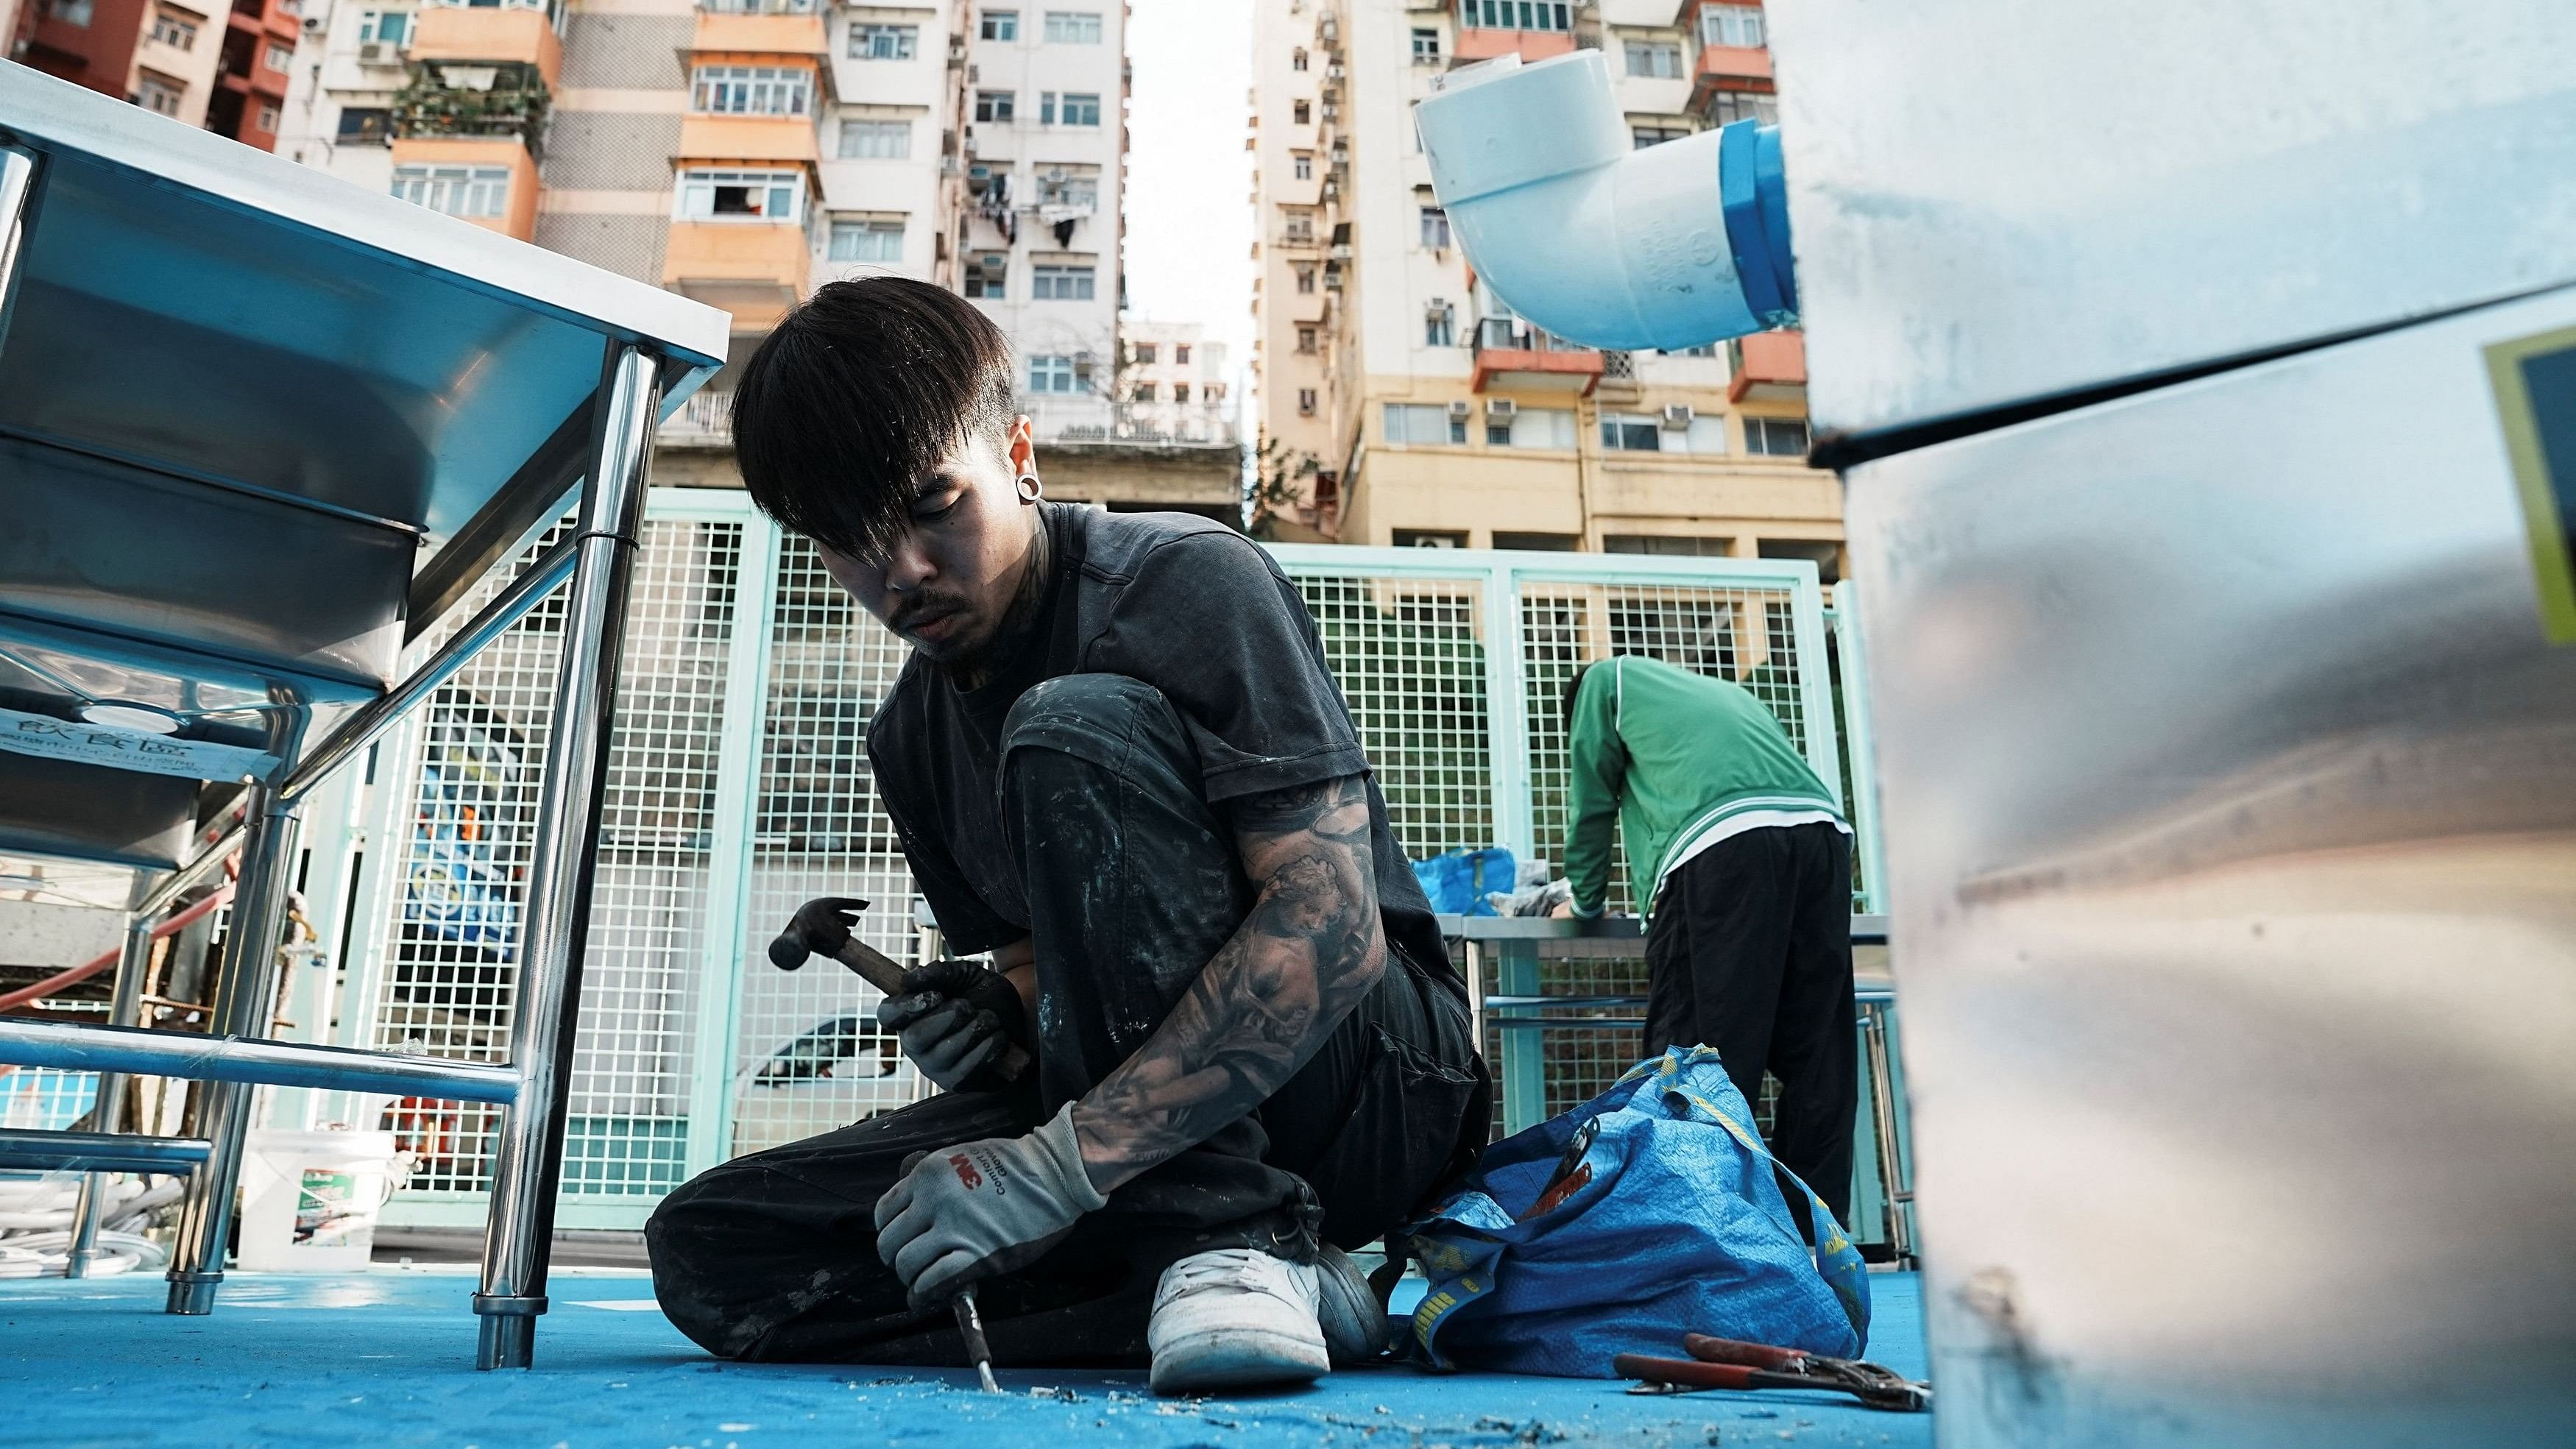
x=1660 y=59
x=1301 y=227
x=365 y=126
x=752 y=90
x=1144 y=393
x=1055 y=283
x=455 y=190
x=1727 y=106
x=155 y=94
x=1646 y=136
x=1517 y=14
x=1429 y=538
x=987 y=276
x=1305 y=164
x=1306 y=281
x=1073 y=109
x=725 y=7
x=768 y=196
x=993 y=105
x=1537 y=542
x=1775 y=437
x=1440 y=325
x=1305 y=402
x=1073 y=27
x=174 y=30
x=1431 y=423
x=1212 y=391
x=1180 y=392
x=1738 y=25
x=385 y=27
x=867 y=241
x=1180 y=354
x=1000 y=25
x=1426 y=47
x=1306 y=338
x=1435 y=228
x=1301 y=113
x=268 y=118
x=1824 y=553
x=280 y=58
x=1297 y=59
x=876 y=140
x=1059 y=373
x=1147 y=353
x=1625 y=433
x=1665 y=545
x=1060 y=187
x=1531 y=428
x=883 y=42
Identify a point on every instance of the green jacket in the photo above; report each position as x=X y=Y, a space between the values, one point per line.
x=1684 y=761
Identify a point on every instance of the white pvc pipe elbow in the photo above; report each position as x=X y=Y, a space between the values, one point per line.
x=1592 y=239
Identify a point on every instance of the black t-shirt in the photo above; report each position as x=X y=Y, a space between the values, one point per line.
x=1181 y=603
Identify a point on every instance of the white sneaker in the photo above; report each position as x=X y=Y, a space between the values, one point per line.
x=1234 y=1318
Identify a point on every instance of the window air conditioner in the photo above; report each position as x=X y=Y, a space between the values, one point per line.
x=1677 y=417
x=1459 y=409
x=376 y=52
x=1500 y=407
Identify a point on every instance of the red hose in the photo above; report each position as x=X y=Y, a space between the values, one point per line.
x=88 y=969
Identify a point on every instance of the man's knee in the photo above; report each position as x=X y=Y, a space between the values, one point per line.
x=1103 y=720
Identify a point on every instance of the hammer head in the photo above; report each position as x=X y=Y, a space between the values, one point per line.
x=820 y=928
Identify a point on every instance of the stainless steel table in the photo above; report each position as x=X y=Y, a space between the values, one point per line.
x=258 y=430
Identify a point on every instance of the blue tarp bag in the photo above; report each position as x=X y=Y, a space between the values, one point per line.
x=1666 y=1220
x=1457 y=882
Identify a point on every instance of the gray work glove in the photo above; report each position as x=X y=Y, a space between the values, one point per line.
x=990 y=1206
x=953 y=1018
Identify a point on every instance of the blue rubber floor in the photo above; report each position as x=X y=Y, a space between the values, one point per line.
x=386 y=1358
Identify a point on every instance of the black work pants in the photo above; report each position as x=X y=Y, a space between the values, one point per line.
x=1749 y=952
x=1133 y=882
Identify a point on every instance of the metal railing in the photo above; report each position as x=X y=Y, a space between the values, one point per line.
x=1100 y=420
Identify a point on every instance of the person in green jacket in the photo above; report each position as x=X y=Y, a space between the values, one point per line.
x=1743 y=862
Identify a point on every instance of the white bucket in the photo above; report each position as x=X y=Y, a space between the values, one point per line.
x=309 y=1200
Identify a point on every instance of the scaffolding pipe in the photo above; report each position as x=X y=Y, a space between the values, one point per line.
x=109 y=1108
x=145 y=1053
x=97 y=1153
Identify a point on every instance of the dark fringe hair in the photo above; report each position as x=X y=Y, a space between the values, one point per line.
x=856 y=396
x=1573 y=687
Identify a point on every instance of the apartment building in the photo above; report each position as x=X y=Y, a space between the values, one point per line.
x=1403 y=403
x=162 y=55
x=223 y=67
x=743 y=152
x=1174 y=379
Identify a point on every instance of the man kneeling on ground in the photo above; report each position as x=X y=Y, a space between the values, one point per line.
x=1117 y=762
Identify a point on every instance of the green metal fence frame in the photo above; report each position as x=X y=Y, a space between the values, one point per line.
x=711 y=1109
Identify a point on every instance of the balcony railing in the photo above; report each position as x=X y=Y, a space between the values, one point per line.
x=1511 y=334
x=1098 y=420
x=446 y=98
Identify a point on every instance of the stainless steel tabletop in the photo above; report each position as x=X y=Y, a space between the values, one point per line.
x=258 y=429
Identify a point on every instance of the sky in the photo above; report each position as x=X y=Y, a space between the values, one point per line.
x=1189 y=180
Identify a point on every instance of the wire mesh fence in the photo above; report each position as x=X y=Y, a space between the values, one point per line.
x=740 y=787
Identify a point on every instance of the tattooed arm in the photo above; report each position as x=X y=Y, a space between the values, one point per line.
x=1310 y=949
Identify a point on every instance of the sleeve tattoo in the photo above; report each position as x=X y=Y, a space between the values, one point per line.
x=1309 y=951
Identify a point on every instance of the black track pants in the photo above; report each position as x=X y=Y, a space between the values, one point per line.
x=1749 y=952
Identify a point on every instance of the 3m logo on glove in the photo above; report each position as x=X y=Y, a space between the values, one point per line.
x=966 y=1172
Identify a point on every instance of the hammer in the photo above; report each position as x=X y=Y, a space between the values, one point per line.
x=821 y=927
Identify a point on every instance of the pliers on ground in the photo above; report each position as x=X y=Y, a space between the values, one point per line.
x=1725 y=1363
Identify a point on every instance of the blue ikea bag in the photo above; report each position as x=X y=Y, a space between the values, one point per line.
x=1457 y=882
x=1676 y=1225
